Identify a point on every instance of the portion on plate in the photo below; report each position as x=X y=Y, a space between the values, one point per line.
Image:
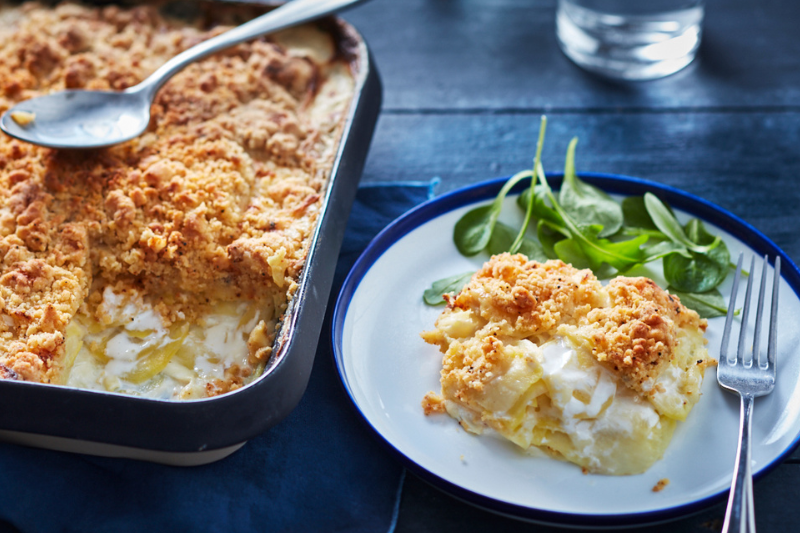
x=387 y=371
x=161 y=267
x=549 y=358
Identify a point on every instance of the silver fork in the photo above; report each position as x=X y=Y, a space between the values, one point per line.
x=749 y=375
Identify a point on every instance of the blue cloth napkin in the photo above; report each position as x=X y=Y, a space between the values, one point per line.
x=318 y=470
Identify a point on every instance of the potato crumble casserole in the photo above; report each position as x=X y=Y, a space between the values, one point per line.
x=549 y=358
x=162 y=266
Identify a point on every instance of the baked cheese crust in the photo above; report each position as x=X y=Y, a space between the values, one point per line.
x=548 y=357
x=214 y=203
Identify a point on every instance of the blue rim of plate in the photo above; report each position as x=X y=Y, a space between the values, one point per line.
x=487 y=190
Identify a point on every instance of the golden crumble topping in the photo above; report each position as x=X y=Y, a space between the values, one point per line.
x=215 y=202
x=636 y=335
x=548 y=357
x=632 y=323
x=527 y=297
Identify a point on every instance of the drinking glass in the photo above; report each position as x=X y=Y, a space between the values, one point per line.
x=630 y=39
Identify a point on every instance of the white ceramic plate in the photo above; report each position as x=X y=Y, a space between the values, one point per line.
x=386 y=369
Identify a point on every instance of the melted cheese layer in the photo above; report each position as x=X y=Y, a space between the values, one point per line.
x=610 y=428
x=136 y=353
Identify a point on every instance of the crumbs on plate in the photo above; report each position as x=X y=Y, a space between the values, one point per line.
x=662 y=483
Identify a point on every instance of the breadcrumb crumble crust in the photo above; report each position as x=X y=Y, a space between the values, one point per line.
x=546 y=356
x=632 y=323
x=215 y=202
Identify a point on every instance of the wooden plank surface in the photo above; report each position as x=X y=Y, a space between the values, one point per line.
x=503 y=54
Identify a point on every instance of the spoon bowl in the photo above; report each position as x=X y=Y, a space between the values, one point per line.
x=95 y=119
x=80 y=119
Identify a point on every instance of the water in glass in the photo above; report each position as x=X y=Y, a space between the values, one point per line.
x=630 y=39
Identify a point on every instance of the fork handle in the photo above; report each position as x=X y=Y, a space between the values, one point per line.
x=739 y=516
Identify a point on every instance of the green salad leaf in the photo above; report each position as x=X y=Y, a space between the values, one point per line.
x=622 y=255
x=585 y=227
x=548 y=236
x=537 y=169
x=585 y=203
x=635 y=215
x=542 y=208
x=660 y=250
x=503 y=238
x=709 y=304
x=474 y=229
x=569 y=251
x=665 y=221
x=700 y=272
x=434 y=295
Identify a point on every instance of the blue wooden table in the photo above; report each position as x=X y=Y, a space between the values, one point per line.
x=465 y=82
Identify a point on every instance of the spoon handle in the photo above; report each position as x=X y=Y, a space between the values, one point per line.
x=292 y=13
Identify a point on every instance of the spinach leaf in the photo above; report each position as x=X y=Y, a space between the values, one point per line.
x=548 y=237
x=621 y=255
x=537 y=169
x=696 y=232
x=542 y=209
x=473 y=230
x=635 y=215
x=665 y=220
x=660 y=250
x=708 y=304
x=523 y=199
x=699 y=272
x=569 y=251
x=533 y=250
x=503 y=237
x=434 y=295
x=501 y=240
x=654 y=234
x=585 y=203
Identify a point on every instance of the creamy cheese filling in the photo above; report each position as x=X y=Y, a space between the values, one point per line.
x=136 y=353
x=561 y=400
x=607 y=423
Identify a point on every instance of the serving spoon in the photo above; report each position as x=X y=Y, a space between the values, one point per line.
x=95 y=119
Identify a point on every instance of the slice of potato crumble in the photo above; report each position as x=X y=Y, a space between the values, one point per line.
x=547 y=357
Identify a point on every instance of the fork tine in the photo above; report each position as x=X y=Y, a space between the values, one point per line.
x=749 y=381
x=726 y=333
x=773 y=316
x=740 y=354
x=759 y=312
